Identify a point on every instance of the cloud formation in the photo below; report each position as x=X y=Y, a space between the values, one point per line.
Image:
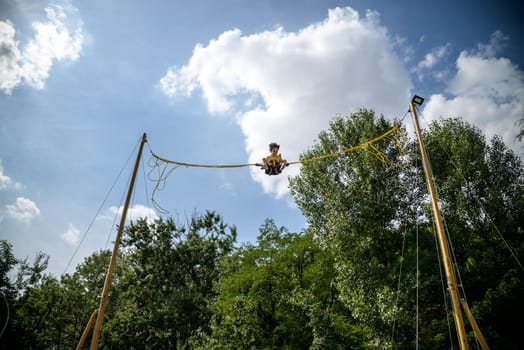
x=287 y=86
x=138 y=211
x=486 y=91
x=31 y=64
x=72 y=235
x=431 y=59
x=23 y=210
x=6 y=181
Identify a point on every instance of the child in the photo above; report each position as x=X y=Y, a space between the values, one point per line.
x=274 y=164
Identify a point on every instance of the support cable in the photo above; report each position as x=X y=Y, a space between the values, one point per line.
x=398 y=285
x=417 y=289
x=484 y=211
x=148 y=203
x=418 y=185
x=443 y=284
x=449 y=241
x=7 y=315
x=456 y=267
x=99 y=209
x=442 y=237
x=461 y=293
x=115 y=217
x=112 y=263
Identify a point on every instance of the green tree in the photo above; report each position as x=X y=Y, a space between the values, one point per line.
x=7 y=263
x=352 y=202
x=8 y=294
x=520 y=124
x=51 y=313
x=162 y=285
x=165 y=293
x=364 y=212
x=81 y=294
x=279 y=294
x=36 y=295
x=481 y=189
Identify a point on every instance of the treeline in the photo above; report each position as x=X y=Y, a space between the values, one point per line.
x=348 y=281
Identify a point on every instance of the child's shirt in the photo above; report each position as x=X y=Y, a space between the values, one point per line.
x=272 y=158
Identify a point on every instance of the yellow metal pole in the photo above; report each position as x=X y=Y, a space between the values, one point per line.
x=443 y=242
x=474 y=325
x=86 y=330
x=109 y=276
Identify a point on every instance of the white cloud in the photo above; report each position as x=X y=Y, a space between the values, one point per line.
x=138 y=211
x=23 y=210
x=228 y=187
x=7 y=182
x=405 y=49
x=31 y=65
x=72 y=235
x=496 y=42
x=486 y=91
x=300 y=80
x=431 y=59
x=434 y=56
x=10 y=71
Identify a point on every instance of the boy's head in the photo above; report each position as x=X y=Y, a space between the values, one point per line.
x=274 y=147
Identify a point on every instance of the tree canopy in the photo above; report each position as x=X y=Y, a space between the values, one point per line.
x=364 y=274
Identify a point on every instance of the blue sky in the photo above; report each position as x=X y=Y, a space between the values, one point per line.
x=215 y=82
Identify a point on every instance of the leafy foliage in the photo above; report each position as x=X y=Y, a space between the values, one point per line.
x=165 y=295
x=352 y=279
x=363 y=212
x=520 y=124
x=482 y=192
x=280 y=294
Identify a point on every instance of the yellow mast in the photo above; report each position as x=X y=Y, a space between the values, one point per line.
x=443 y=242
x=86 y=330
x=109 y=276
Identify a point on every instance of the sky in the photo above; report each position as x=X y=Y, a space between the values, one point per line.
x=215 y=82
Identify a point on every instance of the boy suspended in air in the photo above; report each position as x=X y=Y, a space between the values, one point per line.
x=274 y=164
